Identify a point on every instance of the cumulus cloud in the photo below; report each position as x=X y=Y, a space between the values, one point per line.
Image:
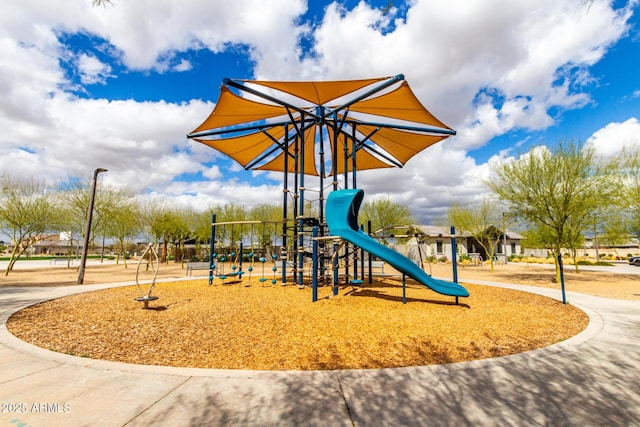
x=184 y=65
x=92 y=70
x=611 y=139
x=519 y=51
x=486 y=69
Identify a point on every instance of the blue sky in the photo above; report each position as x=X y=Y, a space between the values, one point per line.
x=120 y=86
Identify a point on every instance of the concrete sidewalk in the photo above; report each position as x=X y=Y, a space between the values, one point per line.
x=592 y=379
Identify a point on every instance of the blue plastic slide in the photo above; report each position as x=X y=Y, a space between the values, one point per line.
x=342 y=219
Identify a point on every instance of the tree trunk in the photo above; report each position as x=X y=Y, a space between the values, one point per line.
x=69 y=253
x=15 y=254
x=557 y=278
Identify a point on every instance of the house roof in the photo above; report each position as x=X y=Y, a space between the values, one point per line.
x=513 y=235
x=438 y=231
x=434 y=230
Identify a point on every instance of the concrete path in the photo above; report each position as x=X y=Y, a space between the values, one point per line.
x=592 y=379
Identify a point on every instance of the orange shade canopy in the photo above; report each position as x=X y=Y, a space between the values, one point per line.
x=277 y=126
x=317 y=93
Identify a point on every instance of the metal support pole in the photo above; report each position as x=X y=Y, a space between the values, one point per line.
x=334 y=154
x=314 y=268
x=87 y=230
x=296 y=196
x=301 y=215
x=404 y=289
x=285 y=192
x=370 y=266
x=212 y=247
x=362 y=257
x=504 y=236
x=564 y=297
x=335 y=269
x=354 y=182
x=454 y=255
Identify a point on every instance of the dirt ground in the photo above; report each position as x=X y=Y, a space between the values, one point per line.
x=256 y=325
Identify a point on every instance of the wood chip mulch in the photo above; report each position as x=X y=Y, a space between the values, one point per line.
x=265 y=327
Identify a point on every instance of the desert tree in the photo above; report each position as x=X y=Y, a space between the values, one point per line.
x=122 y=225
x=615 y=230
x=231 y=234
x=74 y=198
x=481 y=222
x=557 y=190
x=266 y=233
x=70 y=214
x=385 y=214
x=628 y=186
x=25 y=214
x=164 y=223
x=199 y=224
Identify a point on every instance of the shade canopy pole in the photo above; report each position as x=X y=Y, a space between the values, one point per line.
x=334 y=152
x=353 y=156
x=322 y=167
x=285 y=199
x=300 y=220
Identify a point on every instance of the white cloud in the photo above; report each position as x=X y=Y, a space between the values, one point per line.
x=184 y=65
x=484 y=68
x=611 y=139
x=517 y=49
x=268 y=27
x=144 y=144
x=92 y=70
x=28 y=75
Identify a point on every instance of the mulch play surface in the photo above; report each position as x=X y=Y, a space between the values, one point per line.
x=235 y=326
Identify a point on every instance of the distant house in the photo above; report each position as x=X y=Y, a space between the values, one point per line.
x=55 y=244
x=511 y=238
x=435 y=241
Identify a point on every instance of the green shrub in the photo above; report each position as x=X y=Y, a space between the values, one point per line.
x=601 y=263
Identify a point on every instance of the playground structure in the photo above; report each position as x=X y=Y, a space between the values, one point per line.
x=235 y=254
x=306 y=129
x=343 y=207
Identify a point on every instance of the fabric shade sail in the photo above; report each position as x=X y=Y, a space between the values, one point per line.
x=317 y=93
x=279 y=126
x=232 y=109
x=399 y=104
x=344 y=147
x=300 y=155
x=246 y=148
